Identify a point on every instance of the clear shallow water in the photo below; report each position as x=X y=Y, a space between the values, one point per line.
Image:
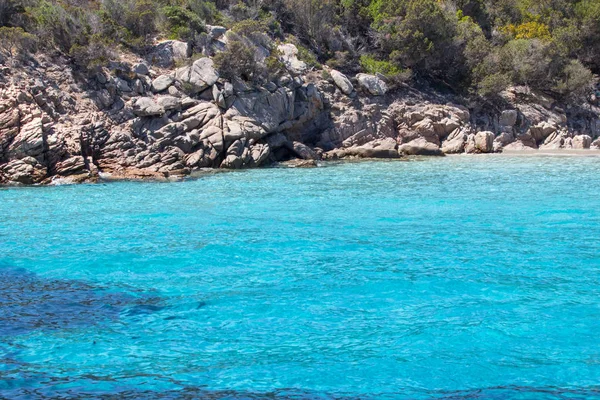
x=454 y=277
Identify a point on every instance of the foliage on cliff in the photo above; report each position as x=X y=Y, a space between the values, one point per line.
x=470 y=46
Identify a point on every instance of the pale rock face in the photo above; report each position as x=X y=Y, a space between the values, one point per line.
x=168 y=102
x=342 y=82
x=145 y=107
x=581 y=142
x=502 y=140
x=380 y=148
x=484 y=141
x=259 y=153
x=517 y=145
x=420 y=147
x=372 y=84
x=29 y=141
x=26 y=171
x=237 y=155
x=555 y=140
x=162 y=83
x=199 y=76
x=64 y=128
x=542 y=130
x=214 y=136
x=289 y=56
x=455 y=143
x=71 y=166
x=481 y=142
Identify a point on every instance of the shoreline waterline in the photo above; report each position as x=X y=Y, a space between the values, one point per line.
x=105 y=178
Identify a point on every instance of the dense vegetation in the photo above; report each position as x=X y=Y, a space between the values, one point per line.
x=475 y=46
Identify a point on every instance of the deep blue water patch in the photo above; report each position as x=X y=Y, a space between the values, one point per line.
x=29 y=302
x=473 y=277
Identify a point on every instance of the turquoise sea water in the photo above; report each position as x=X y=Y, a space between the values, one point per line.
x=469 y=276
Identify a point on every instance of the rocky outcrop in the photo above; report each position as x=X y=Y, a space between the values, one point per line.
x=138 y=120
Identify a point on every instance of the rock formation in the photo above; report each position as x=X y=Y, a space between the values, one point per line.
x=145 y=119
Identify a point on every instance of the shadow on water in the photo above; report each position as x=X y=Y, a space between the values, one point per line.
x=29 y=303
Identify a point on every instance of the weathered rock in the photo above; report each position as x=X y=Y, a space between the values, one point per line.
x=145 y=107
x=555 y=140
x=237 y=155
x=168 y=102
x=141 y=69
x=502 y=140
x=289 y=56
x=380 y=148
x=581 y=142
x=303 y=151
x=219 y=97
x=71 y=166
x=541 y=131
x=214 y=136
x=162 y=83
x=342 y=82
x=277 y=140
x=165 y=54
x=26 y=171
x=199 y=76
x=123 y=85
x=420 y=147
x=29 y=141
x=455 y=143
x=270 y=110
x=481 y=142
x=372 y=84
x=259 y=153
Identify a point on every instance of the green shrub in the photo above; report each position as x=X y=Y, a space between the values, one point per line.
x=238 y=60
x=96 y=53
x=575 y=80
x=205 y=10
x=15 y=42
x=274 y=66
x=304 y=54
x=181 y=23
x=491 y=85
x=373 y=66
x=55 y=25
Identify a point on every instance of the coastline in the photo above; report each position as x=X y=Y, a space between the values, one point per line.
x=71 y=128
x=104 y=178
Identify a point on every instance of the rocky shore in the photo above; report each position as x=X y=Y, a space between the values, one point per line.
x=170 y=115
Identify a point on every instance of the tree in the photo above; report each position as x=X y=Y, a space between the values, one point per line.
x=15 y=41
